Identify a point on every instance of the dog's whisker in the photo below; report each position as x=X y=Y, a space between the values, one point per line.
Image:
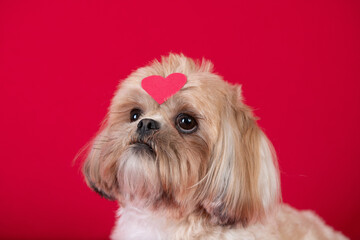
x=200 y=181
x=103 y=141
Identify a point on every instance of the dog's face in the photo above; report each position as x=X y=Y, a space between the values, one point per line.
x=200 y=151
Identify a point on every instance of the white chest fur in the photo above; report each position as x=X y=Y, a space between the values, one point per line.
x=287 y=223
x=136 y=224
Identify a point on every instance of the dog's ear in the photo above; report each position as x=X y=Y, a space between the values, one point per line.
x=100 y=166
x=242 y=181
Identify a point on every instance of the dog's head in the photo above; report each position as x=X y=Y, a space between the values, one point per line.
x=201 y=150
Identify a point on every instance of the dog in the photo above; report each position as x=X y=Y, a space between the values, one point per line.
x=191 y=162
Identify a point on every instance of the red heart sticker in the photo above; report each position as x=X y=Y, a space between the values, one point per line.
x=160 y=88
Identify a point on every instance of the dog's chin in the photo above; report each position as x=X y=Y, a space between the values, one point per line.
x=137 y=177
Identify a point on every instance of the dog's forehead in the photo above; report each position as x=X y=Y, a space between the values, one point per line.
x=202 y=92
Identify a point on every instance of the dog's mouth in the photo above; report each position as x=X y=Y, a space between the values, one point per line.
x=141 y=144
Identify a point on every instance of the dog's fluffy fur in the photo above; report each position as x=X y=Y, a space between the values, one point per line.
x=219 y=182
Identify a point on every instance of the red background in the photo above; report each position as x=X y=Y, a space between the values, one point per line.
x=60 y=62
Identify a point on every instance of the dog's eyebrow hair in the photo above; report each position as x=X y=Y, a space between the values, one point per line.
x=189 y=109
x=188 y=87
x=133 y=99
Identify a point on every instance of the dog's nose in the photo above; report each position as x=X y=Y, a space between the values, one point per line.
x=147 y=125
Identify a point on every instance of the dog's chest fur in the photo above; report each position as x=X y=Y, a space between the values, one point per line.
x=136 y=224
x=288 y=223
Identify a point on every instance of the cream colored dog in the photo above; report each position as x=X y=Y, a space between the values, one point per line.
x=194 y=167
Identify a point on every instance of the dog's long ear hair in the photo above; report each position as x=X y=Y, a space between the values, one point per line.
x=242 y=182
x=100 y=167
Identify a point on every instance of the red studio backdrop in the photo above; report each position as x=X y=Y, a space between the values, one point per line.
x=60 y=62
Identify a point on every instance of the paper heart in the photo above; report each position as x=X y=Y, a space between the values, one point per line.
x=160 y=88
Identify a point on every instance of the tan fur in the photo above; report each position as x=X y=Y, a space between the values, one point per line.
x=220 y=182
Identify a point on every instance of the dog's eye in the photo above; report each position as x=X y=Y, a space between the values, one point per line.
x=186 y=123
x=135 y=114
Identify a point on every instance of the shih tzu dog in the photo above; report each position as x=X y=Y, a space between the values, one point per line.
x=184 y=157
